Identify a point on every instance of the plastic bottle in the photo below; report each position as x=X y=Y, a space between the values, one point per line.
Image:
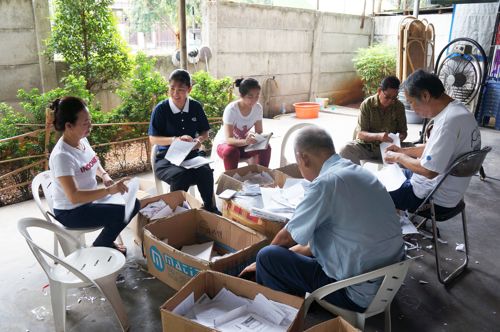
x=283 y=108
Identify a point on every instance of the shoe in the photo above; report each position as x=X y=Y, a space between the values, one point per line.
x=213 y=210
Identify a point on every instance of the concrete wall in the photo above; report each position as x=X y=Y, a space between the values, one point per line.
x=387 y=27
x=308 y=53
x=22 y=29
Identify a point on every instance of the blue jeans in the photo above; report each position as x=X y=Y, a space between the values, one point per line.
x=284 y=270
x=404 y=198
x=109 y=216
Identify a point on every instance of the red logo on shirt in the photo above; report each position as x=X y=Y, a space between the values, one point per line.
x=90 y=164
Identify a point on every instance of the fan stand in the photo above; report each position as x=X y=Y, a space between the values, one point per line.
x=459 y=79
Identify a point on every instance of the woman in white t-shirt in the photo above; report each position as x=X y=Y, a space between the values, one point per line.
x=73 y=167
x=239 y=118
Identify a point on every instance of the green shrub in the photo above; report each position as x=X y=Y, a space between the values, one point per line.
x=214 y=94
x=373 y=64
x=142 y=92
x=35 y=103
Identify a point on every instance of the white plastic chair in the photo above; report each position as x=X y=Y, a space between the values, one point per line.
x=98 y=266
x=290 y=131
x=44 y=180
x=394 y=275
x=161 y=186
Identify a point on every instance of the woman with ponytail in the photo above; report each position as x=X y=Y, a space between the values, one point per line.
x=239 y=118
x=73 y=167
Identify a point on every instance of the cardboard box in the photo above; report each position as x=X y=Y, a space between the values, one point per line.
x=337 y=324
x=291 y=170
x=211 y=283
x=237 y=213
x=226 y=180
x=175 y=268
x=172 y=199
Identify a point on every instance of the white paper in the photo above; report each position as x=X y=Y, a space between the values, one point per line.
x=290 y=182
x=178 y=151
x=221 y=304
x=165 y=212
x=261 y=144
x=127 y=199
x=152 y=208
x=407 y=226
x=116 y=199
x=201 y=251
x=195 y=162
x=391 y=176
x=179 y=209
x=385 y=145
x=183 y=307
x=250 y=323
x=266 y=309
x=290 y=313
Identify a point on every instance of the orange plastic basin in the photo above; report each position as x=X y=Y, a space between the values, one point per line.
x=306 y=110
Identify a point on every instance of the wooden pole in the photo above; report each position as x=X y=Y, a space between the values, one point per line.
x=182 y=32
x=48 y=126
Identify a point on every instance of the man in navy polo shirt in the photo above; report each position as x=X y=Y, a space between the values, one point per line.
x=183 y=118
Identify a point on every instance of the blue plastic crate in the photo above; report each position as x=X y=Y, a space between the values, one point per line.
x=490 y=105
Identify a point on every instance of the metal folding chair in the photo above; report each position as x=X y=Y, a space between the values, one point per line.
x=466 y=165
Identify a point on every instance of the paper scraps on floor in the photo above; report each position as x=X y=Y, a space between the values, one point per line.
x=228 y=312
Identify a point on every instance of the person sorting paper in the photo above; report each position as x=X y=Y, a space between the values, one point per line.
x=182 y=119
x=346 y=225
x=73 y=167
x=380 y=115
x=454 y=133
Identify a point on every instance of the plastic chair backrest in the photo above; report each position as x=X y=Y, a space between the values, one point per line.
x=158 y=182
x=394 y=277
x=290 y=131
x=40 y=254
x=43 y=180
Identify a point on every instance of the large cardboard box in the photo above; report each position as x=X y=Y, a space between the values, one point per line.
x=175 y=268
x=173 y=199
x=238 y=213
x=337 y=324
x=211 y=283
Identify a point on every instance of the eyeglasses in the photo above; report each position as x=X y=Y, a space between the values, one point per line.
x=394 y=98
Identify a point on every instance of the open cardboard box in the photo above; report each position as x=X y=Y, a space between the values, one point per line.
x=173 y=199
x=292 y=170
x=211 y=283
x=337 y=324
x=175 y=268
x=241 y=215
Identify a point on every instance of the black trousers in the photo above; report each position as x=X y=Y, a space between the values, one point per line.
x=180 y=178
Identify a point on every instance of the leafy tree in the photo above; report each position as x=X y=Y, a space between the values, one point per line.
x=85 y=34
x=146 y=13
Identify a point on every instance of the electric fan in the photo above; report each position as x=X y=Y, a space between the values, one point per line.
x=461 y=66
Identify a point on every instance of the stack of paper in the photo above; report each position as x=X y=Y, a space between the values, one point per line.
x=178 y=151
x=127 y=199
x=160 y=209
x=201 y=251
x=229 y=312
x=262 y=179
x=261 y=144
x=385 y=145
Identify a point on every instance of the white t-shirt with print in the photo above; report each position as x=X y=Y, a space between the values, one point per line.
x=66 y=160
x=455 y=133
x=241 y=124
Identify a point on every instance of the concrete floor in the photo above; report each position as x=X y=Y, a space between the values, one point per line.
x=471 y=304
